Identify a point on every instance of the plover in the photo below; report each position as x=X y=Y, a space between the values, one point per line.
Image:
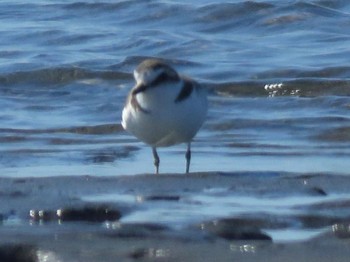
x=164 y=108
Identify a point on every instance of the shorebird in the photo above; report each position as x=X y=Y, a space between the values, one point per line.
x=164 y=108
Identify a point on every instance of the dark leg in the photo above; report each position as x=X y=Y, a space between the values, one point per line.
x=156 y=159
x=188 y=157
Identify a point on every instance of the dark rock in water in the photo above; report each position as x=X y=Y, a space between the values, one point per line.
x=87 y=214
x=315 y=221
x=230 y=230
x=319 y=221
x=259 y=220
x=319 y=191
x=149 y=254
x=139 y=253
x=341 y=230
x=18 y=253
x=316 y=191
x=162 y=198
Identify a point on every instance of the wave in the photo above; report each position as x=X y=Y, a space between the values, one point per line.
x=82 y=130
x=323 y=82
x=297 y=87
x=59 y=75
x=327 y=81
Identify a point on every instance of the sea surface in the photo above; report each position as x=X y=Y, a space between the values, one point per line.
x=278 y=75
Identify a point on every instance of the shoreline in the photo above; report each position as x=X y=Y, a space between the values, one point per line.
x=174 y=217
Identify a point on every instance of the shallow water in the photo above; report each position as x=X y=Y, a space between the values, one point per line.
x=277 y=74
x=277 y=71
x=288 y=207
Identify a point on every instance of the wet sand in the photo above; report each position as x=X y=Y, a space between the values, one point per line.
x=77 y=218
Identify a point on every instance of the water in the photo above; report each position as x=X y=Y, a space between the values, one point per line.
x=277 y=71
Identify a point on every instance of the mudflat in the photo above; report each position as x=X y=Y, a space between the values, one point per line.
x=212 y=216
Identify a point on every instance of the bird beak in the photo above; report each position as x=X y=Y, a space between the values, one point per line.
x=139 y=88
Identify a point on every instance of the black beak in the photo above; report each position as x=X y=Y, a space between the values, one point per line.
x=139 y=89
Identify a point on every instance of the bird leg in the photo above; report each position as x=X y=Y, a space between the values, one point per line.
x=156 y=159
x=188 y=158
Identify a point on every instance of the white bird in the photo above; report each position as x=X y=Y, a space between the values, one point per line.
x=164 y=108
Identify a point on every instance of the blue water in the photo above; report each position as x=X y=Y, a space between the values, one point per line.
x=278 y=74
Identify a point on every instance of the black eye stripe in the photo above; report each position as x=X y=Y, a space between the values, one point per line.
x=161 y=78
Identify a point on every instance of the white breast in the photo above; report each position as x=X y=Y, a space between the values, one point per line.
x=166 y=122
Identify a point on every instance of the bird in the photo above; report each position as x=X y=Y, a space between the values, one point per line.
x=164 y=108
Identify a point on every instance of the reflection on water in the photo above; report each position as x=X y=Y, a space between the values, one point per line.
x=298 y=215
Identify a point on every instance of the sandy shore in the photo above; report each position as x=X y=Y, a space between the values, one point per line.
x=91 y=219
